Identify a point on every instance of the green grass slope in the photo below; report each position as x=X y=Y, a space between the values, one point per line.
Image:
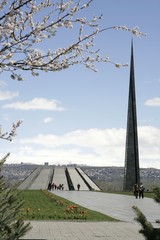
x=43 y=205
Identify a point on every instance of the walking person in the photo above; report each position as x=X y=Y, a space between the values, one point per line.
x=135 y=190
x=78 y=186
x=141 y=191
x=49 y=186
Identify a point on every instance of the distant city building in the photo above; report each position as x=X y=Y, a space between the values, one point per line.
x=131 y=169
x=46 y=164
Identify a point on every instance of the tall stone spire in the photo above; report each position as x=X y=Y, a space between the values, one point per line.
x=131 y=170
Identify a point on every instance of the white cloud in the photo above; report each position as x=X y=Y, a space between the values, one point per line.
x=4 y=95
x=36 y=104
x=98 y=147
x=84 y=138
x=154 y=102
x=47 y=120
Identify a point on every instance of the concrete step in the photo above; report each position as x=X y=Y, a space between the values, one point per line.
x=76 y=179
x=30 y=179
x=88 y=180
x=43 y=178
x=59 y=177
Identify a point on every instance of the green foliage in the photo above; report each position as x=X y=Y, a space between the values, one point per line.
x=156 y=192
x=147 y=229
x=12 y=227
x=149 y=232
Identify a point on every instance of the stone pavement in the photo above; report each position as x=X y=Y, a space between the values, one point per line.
x=115 y=205
x=118 y=206
x=49 y=230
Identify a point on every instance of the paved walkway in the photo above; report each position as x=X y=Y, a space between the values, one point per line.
x=115 y=205
x=83 y=231
x=118 y=206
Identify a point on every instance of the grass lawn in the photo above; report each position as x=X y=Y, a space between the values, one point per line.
x=146 y=194
x=43 y=205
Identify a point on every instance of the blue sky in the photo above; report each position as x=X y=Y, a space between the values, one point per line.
x=79 y=116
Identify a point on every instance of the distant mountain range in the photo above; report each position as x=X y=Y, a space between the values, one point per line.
x=108 y=178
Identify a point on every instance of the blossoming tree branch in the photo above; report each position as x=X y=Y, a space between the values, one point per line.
x=12 y=133
x=26 y=24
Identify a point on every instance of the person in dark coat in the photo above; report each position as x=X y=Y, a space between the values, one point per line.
x=141 y=191
x=135 y=190
x=49 y=186
x=78 y=186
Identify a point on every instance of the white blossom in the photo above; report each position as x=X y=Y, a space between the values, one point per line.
x=10 y=135
x=27 y=23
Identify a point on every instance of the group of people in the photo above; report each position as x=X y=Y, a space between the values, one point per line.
x=53 y=186
x=138 y=190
